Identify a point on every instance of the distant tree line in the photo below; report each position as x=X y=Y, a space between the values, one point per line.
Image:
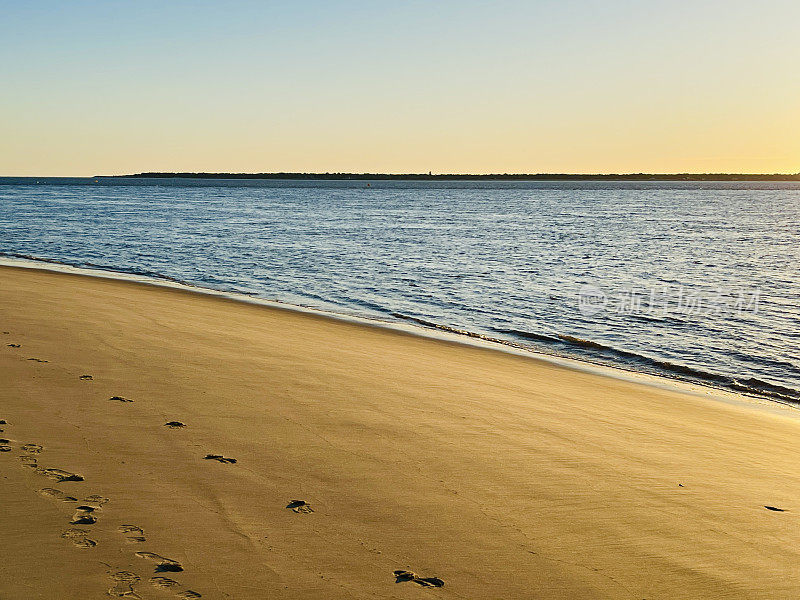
x=494 y=176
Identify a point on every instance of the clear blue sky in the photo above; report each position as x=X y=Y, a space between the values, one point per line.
x=113 y=87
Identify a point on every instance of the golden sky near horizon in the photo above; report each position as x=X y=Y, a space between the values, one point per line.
x=110 y=88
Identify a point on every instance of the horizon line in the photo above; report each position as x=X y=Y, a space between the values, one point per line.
x=431 y=176
x=720 y=176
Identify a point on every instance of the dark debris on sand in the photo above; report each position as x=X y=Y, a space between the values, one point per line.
x=774 y=508
x=300 y=506
x=220 y=458
x=174 y=425
x=120 y=399
x=402 y=575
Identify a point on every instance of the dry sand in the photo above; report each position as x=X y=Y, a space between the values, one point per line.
x=504 y=476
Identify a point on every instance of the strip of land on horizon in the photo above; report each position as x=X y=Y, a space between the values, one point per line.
x=494 y=176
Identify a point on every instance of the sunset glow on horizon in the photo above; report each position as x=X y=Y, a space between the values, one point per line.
x=456 y=87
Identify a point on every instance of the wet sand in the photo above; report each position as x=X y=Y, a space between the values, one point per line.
x=311 y=458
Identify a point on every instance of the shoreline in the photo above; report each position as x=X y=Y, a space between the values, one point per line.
x=495 y=473
x=414 y=326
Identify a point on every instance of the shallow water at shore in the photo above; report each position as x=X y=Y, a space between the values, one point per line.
x=696 y=280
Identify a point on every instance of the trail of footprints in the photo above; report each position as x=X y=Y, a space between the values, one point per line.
x=86 y=515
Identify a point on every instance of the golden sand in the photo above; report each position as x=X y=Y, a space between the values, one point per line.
x=318 y=457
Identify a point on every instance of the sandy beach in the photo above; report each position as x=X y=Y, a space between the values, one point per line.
x=313 y=458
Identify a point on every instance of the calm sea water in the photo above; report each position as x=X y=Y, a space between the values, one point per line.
x=686 y=279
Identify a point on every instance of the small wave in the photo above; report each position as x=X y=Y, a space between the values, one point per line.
x=130 y=271
x=35 y=258
x=641 y=359
x=638 y=362
x=584 y=343
x=91 y=265
x=760 y=387
x=113 y=269
x=684 y=370
x=528 y=335
x=441 y=327
x=673 y=321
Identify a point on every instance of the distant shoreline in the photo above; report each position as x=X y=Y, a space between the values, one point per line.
x=466 y=176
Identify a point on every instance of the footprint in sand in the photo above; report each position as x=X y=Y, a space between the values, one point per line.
x=220 y=458
x=29 y=461
x=96 y=500
x=170 y=584
x=83 y=515
x=5 y=445
x=85 y=378
x=55 y=494
x=31 y=448
x=162 y=564
x=775 y=508
x=39 y=360
x=174 y=425
x=300 y=506
x=120 y=399
x=13 y=345
x=57 y=474
x=132 y=533
x=123 y=585
x=164 y=583
x=79 y=537
x=402 y=575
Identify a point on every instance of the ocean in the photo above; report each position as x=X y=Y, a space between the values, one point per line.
x=690 y=280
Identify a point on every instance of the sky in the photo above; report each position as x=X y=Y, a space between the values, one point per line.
x=106 y=87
